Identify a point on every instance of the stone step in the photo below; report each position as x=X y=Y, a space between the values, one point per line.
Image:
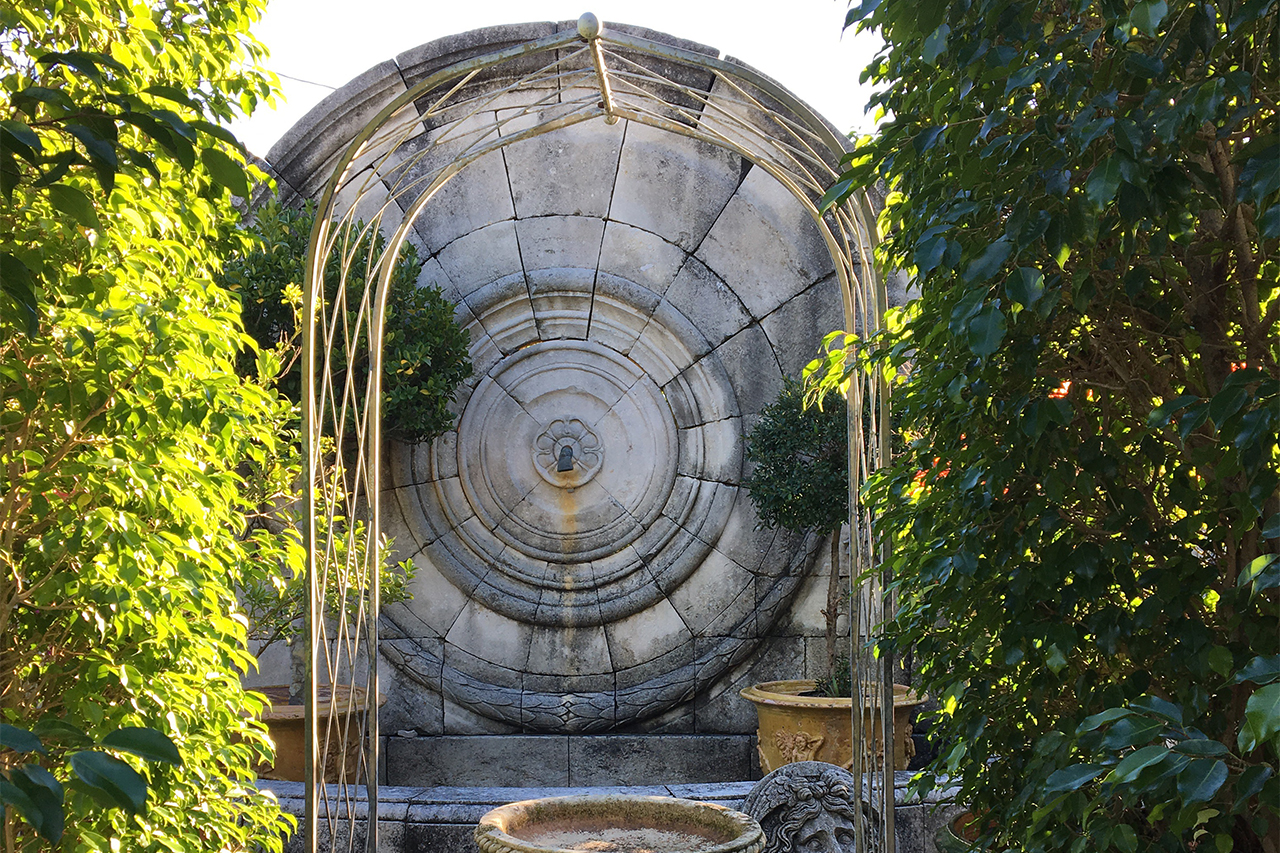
x=529 y=761
x=441 y=819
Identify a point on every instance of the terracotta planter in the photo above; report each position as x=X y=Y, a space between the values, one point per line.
x=617 y=824
x=957 y=835
x=795 y=727
x=286 y=725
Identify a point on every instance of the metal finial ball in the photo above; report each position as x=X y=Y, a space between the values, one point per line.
x=589 y=26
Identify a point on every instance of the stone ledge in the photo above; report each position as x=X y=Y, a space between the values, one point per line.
x=440 y=819
x=567 y=760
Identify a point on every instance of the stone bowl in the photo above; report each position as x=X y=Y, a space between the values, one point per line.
x=617 y=824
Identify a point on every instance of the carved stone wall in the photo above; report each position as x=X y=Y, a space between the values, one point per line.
x=637 y=297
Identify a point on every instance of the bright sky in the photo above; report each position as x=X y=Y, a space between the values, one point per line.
x=328 y=42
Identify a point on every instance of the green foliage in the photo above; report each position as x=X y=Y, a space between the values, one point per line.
x=801 y=482
x=1085 y=526
x=801 y=456
x=425 y=355
x=122 y=424
x=38 y=798
x=425 y=359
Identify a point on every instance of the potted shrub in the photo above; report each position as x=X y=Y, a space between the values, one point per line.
x=425 y=359
x=801 y=482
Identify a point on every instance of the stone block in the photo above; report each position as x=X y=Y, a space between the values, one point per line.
x=678 y=720
x=640 y=256
x=411 y=704
x=489 y=636
x=673 y=186
x=562 y=302
x=708 y=302
x=703 y=393
x=439 y=838
x=560 y=242
x=669 y=344
x=796 y=328
x=583 y=650
x=521 y=760
x=647 y=759
x=434 y=603
x=646 y=635
x=765 y=246
x=743 y=540
x=715 y=587
x=570 y=170
x=568 y=704
x=480 y=257
x=477 y=196
x=804 y=618
x=425 y=59
x=753 y=369
x=620 y=311
x=460 y=720
x=505 y=311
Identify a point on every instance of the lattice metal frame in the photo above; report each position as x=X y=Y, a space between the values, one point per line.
x=542 y=85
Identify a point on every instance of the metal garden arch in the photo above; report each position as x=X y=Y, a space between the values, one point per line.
x=577 y=75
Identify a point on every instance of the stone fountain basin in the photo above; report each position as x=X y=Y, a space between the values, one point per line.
x=617 y=823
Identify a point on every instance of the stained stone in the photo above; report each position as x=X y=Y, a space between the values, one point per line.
x=560 y=242
x=674 y=187
x=646 y=635
x=764 y=246
x=635 y=297
x=568 y=171
x=480 y=257
x=796 y=327
x=705 y=299
x=640 y=256
x=753 y=369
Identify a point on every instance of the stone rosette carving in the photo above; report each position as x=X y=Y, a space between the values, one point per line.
x=583 y=445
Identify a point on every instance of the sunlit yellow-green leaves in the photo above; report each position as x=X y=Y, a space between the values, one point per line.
x=123 y=425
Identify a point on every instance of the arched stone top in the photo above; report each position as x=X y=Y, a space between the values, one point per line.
x=634 y=293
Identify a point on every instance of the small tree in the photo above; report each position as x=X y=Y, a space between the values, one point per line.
x=122 y=426
x=1086 y=527
x=801 y=482
x=425 y=360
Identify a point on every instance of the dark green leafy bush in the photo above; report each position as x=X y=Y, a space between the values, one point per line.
x=425 y=355
x=1086 y=526
x=801 y=482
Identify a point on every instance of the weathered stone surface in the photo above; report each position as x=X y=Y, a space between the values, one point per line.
x=797 y=326
x=480 y=257
x=717 y=585
x=523 y=760
x=642 y=257
x=560 y=242
x=708 y=302
x=475 y=197
x=753 y=369
x=765 y=246
x=646 y=635
x=623 y=759
x=565 y=172
x=421 y=62
x=673 y=186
